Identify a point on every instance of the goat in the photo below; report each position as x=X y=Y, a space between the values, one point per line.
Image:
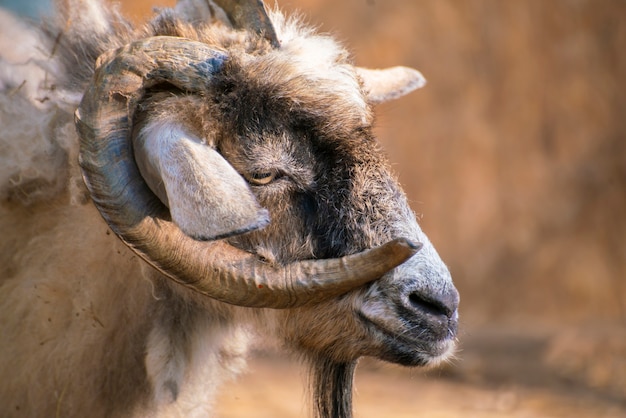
x=171 y=191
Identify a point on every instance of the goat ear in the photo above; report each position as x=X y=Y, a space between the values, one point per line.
x=207 y=198
x=390 y=83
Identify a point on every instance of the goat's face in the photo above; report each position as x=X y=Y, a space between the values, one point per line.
x=305 y=146
x=274 y=153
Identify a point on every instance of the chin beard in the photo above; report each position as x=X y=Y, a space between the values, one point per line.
x=331 y=386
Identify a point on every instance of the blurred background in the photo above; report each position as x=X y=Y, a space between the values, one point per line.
x=514 y=157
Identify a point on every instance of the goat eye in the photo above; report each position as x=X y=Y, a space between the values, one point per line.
x=261 y=178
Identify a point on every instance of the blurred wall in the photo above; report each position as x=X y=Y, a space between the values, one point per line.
x=514 y=154
x=29 y=8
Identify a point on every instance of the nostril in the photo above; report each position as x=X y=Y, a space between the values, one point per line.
x=434 y=306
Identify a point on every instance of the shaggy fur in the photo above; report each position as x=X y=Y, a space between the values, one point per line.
x=90 y=329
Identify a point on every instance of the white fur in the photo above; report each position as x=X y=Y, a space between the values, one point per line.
x=20 y=55
x=318 y=57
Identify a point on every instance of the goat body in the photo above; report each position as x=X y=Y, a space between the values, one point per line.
x=91 y=324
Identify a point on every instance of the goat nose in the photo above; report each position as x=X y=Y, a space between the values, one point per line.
x=443 y=303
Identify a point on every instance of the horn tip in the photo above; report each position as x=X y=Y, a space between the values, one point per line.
x=414 y=246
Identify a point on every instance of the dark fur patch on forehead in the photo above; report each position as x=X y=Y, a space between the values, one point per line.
x=266 y=94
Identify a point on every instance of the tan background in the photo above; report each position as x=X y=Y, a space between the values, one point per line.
x=515 y=157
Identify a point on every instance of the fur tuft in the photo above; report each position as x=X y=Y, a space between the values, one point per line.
x=331 y=385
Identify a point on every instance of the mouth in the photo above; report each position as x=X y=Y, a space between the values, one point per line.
x=410 y=340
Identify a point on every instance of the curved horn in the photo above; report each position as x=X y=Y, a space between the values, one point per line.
x=250 y=15
x=134 y=213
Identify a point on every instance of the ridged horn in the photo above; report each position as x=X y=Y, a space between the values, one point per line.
x=250 y=15
x=218 y=270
